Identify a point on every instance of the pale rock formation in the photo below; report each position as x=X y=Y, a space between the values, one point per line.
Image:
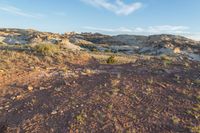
x=177 y=50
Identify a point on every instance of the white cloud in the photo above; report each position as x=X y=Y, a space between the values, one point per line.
x=109 y=30
x=19 y=12
x=145 y=30
x=163 y=29
x=166 y=29
x=118 y=7
x=195 y=36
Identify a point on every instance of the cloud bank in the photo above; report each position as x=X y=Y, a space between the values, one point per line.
x=118 y=7
x=19 y=12
x=162 y=29
x=145 y=30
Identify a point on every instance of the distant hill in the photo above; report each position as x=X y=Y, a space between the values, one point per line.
x=128 y=44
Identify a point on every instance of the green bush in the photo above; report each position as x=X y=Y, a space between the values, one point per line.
x=165 y=57
x=111 y=60
x=47 y=49
x=94 y=50
x=107 y=51
x=166 y=60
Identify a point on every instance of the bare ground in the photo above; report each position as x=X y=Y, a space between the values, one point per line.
x=44 y=95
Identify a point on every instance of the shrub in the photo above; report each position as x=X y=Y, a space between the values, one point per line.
x=94 y=50
x=197 y=81
x=107 y=51
x=111 y=60
x=166 y=60
x=175 y=120
x=165 y=57
x=195 y=129
x=47 y=49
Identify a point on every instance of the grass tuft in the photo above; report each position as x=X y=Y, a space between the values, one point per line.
x=46 y=49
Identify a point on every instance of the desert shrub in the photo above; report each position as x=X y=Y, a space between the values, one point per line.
x=111 y=60
x=165 y=57
x=166 y=60
x=195 y=129
x=46 y=49
x=107 y=50
x=90 y=47
x=197 y=81
x=175 y=120
x=94 y=50
x=3 y=44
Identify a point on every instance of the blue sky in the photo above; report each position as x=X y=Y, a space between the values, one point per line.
x=105 y=16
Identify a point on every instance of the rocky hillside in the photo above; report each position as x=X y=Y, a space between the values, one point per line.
x=20 y=36
x=128 y=44
x=131 y=44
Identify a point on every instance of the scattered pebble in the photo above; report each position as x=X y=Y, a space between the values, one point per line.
x=18 y=97
x=120 y=95
x=57 y=89
x=7 y=106
x=13 y=98
x=42 y=88
x=54 y=112
x=32 y=68
x=30 y=88
x=105 y=85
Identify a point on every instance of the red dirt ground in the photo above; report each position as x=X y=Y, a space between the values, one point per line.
x=142 y=97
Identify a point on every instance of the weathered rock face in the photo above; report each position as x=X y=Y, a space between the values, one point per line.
x=130 y=44
x=15 y=39
x=19 y=36
x=2 y=39
x=171 y=44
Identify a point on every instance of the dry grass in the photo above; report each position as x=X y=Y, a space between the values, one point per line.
x=47 y=49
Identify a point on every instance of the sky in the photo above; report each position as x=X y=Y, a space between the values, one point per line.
x=138 y=17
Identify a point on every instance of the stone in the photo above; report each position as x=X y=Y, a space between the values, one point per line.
x=54 y=112
x=58 y=89
x=177 y=50
x=30 y=88
x=19 y=97
x=42 y=88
